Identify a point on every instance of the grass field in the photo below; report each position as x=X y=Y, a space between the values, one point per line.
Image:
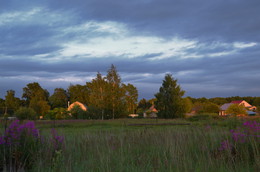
x=148 y=145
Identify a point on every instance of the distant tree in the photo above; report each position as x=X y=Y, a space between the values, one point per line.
x=33 y=90
x=209 y=107
x=256 y=101
x=41 y=107
x=236 y=109
x=98 y=95
x=57 y=113
x=24 y=113
x=169 y=99
x=187 y=104
x=78 y=93
x=78 y=113
x=37 y=98
x=218 y=100
x=143 y=105
x=59 y=99
x=2 y=106
x=11 y=102
x=115 y=93
x=131 y=96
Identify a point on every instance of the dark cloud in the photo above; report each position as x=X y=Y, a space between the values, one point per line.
x=31 y=45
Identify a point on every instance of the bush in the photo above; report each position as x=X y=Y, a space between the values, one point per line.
x=203 y=116
x=25 y=113
x=21 y=146
x=78 y=113
x=57 y=113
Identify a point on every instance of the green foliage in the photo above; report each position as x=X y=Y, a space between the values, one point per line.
x=205 y=107
x=187 y=104
x=78 y=113
x=120 y=147
x=59 y=99
x=11 y=102
x=143 y=105
x=57 y=113
x=36 y=97
x=204 y=116
x=98 y=96
x=2 y=106
x=131 y=96
x=78 y=93
x=24 y=113
x=169 y=99
x=116 y=107
x=33 y=90
x=41 y=107
x=22 y=147
x=235 y=109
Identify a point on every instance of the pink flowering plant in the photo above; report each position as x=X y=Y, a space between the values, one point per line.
x=20 y=145
x=244 y=142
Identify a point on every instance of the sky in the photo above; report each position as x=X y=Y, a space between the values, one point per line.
x=211 y=47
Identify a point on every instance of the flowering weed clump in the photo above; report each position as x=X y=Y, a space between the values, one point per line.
x=244 y=143
x=21 y=145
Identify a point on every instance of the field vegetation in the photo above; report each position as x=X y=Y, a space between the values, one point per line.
x=228 y=144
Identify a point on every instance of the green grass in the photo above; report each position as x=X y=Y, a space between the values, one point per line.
x=117 y=145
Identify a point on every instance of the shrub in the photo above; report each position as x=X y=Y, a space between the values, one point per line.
x=236 y=109
x=25 y=113
x=21 y=145
x=57 y=113
x=244 y=143
x=78 y=113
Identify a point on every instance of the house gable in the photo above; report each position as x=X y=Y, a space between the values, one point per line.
x=82 y=106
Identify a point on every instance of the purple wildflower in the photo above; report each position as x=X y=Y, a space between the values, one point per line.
x=15 y=132
x=238 y=135
x=2 y=140
x=56 y=140
x=225 y=146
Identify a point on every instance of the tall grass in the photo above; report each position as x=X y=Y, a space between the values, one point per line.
x=185 y=148
x=115 y=146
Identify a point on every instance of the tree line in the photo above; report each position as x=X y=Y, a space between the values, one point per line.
x=106 y=97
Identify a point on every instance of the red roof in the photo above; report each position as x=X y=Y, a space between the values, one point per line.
x=237 y=101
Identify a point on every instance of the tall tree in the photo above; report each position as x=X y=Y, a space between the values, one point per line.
x=78 y=93
x=98 y=89
x=33 y=90
x=144 y=104
x=115 y=92
x=59 y=98
x=131 y=96
x=11 y=102
x=169 y=99
x=37 y=98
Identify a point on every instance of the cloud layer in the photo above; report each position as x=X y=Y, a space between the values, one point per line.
x=212 y=48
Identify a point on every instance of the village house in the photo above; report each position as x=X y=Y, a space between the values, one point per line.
x=151 y=112
x=250 y=109
x=82 y=106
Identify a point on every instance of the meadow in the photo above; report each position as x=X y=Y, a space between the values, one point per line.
x=228 y=144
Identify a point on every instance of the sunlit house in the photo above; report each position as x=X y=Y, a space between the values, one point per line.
x=247 y=106
x=82 y=106
x=151 y=112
